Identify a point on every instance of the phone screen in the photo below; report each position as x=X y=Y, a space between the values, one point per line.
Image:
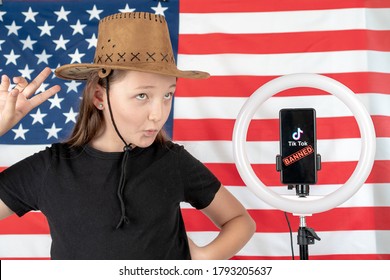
x=298 y=146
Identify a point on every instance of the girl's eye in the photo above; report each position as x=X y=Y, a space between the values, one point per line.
x=141 y=96
x=168 y=95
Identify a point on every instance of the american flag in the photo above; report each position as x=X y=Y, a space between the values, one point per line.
x=243 y=44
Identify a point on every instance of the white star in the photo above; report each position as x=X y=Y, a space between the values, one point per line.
x=28 y=43
x=45 y=29
x=94 y=13
x=38 y=117
x=61 y=43
x=52 y=132
x=26 y=72
x=159 y=10
x=1 y=15
x=53 y=70
x=2 y=41
x=13 y=29
x=72 y=86
x=62 y=14
x=71 y=116
x=41 y=88
x=43 y=57
x=92 y=42
x=126 y=9
x=30 y=15
x=78 y=28
x=11 y=57
x=76 y=56
x=19 y=133
x=55 y=102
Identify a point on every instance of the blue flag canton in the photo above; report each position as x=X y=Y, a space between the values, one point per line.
x=37 y=34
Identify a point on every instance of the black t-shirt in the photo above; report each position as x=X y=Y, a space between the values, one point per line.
x=76 y=189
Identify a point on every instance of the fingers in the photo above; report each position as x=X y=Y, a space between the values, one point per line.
x=28 y=89
x=21 y=83
x=10 y=104
x=32 y=87
x=42 y=97
x=5 y=82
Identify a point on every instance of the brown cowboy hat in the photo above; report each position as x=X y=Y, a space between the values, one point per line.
x=130 y=41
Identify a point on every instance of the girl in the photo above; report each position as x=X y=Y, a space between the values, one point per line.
x=113 y=190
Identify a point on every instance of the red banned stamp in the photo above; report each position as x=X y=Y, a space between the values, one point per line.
x=298 y=155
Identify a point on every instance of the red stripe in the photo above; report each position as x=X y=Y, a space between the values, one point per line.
x=25 y=259
x=330 y=173
x=245 y=86
x=31 y=223
x=319 y=257
x=316 y=257
x=268 y=130
x=295 y=42
x=359 y=218
x=226 y=6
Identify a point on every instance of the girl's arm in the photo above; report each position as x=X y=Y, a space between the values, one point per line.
x=236 y=228
x=4 y=210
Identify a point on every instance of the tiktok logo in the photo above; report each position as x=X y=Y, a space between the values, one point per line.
x=297 y=135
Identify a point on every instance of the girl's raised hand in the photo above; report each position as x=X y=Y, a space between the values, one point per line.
x=15 y=104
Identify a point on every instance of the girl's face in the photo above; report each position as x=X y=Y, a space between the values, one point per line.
x=141 y=103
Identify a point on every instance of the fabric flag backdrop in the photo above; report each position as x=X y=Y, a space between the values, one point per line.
x=243 y=44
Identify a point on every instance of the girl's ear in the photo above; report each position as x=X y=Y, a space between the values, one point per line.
x=98 y=96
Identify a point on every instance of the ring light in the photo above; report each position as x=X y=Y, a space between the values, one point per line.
x=301 y=206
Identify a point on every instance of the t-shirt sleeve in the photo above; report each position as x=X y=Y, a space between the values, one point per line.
x=21 y=183
x=200 y=184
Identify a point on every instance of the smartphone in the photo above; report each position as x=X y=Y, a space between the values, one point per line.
x=298 y=146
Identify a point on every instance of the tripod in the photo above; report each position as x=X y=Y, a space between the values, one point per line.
x=306 y=236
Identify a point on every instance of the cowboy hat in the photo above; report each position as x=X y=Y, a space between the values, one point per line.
x=130 y=41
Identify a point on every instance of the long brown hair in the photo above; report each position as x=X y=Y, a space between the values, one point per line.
x=90 y=120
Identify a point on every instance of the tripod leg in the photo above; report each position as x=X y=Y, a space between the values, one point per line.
x=304 y=252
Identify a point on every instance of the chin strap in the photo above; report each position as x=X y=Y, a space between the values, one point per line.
x=126 y=149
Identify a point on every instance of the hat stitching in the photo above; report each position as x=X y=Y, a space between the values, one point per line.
x=135 y=56
x=164 y=57
x=109 y=57
x=135 y=14
x=150 y=56
x=121 y=57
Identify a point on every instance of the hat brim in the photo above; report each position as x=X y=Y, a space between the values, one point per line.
x=81 y=71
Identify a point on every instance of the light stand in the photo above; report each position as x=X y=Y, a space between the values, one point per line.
x=345 y=95
x=306 y=236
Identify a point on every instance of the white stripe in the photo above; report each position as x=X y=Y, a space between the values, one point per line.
x=261 y=244
x=378 y=19
x=264 y=152
x=228 y=107
x=369 y=195
x=259 y=152
x=287 y=63
x=335 y=242
x=11 y=154
x=25 y=246
x=284 y=21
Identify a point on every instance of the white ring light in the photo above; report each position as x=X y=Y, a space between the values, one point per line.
x=330 y=201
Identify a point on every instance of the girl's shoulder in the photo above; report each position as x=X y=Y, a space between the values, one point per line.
x=60 y=150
